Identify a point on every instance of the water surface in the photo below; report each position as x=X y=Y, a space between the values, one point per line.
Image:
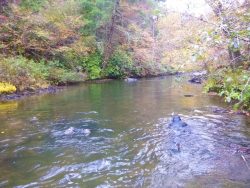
x=130 y=144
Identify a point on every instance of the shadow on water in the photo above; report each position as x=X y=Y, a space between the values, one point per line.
x=117 y=134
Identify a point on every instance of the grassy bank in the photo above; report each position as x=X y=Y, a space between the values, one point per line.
x=24 y=74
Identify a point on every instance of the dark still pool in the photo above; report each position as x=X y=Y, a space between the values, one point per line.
x=117 y=134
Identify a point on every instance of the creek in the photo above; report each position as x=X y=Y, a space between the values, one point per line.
x=130 y=143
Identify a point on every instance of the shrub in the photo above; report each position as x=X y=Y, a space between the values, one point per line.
x=23 y=73
x=6 y=88
x=57 y=76
x=234 y=85
x=27 y=74
x=120 y=65
x=33 y=5
x=93 y=65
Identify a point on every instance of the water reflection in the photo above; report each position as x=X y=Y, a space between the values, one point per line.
x=130 y=143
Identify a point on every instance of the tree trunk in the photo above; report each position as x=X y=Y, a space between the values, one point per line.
x=108 y=47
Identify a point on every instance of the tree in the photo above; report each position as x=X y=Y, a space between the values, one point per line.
x=110 y=31
x=233 y=22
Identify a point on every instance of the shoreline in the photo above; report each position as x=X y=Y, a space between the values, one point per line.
x=23 y=94
x=54 y=89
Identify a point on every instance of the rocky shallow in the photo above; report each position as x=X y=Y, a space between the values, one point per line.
x=26 y=93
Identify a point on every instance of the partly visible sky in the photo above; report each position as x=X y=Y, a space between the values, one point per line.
x=196 y=7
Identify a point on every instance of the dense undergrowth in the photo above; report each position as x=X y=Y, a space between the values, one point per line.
x=233 y=85
x=229 y=53
x=27 y=74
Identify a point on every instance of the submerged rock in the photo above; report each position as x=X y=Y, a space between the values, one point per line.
x=129 y=80
x=72 y=130
x=69 y=131
x=33 y=119
x=86 y=132
x=188 y=95
x=195 y=80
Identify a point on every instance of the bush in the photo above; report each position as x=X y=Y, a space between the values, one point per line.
x=27 y=74
x=57 y=76
x=33 y=5
x=234 y=85
x=93 y=65
x=6 y=88
x=120 y=65
x=23 y=73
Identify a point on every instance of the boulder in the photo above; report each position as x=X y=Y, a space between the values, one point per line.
x=198 y=77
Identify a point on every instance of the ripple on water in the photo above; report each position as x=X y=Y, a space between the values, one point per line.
x=145 y=156
x=148 y=156
x=204 y=150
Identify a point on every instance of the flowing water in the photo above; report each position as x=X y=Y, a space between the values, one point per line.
x=44 y=142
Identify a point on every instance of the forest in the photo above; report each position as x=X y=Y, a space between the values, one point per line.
x=59 y=42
